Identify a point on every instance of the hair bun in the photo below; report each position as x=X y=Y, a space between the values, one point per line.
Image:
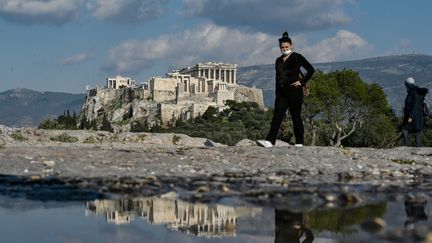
x=285 y=34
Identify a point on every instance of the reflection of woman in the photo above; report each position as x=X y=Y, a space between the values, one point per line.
x=289 y=92
x=415 y=212
x=291 y=227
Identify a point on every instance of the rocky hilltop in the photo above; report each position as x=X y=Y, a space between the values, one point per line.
x=164 y=100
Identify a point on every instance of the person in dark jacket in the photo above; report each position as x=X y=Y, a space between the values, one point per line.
x=413 y=120
x=289 y=91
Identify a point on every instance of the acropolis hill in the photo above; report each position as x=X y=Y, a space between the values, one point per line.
x=181 y=94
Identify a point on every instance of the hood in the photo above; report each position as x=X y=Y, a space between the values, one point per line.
x=421 y=91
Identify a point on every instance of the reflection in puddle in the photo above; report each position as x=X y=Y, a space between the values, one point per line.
x=197 y=219
x=221 y=221
x=161 y=219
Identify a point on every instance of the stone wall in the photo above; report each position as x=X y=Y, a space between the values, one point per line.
x=242 y=93
x=198 y=109
x=220 y=97
x=171 y=112
x=163 y=89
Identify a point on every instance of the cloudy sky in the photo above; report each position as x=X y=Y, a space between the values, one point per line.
x=63 y=45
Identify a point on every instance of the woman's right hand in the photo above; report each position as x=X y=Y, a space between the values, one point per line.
x=297 y=84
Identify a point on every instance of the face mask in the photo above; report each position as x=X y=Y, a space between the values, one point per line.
x=286 y=53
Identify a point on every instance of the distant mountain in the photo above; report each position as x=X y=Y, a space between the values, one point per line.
x=389 y=72
x=25 y=107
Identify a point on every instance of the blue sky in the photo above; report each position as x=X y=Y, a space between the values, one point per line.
x=63 y=45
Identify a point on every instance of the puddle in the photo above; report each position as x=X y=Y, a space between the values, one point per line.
x=159 y=219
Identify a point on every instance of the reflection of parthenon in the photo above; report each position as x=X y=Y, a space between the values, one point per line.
x=211 y=70
x=196 y=219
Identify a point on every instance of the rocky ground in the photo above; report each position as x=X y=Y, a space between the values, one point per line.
x=80 y=165
x=200 y=164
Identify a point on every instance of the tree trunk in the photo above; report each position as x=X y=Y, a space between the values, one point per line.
x=339 y=136
x=314 y=132
x=313 y=140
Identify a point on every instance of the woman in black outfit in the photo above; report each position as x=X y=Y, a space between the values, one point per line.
x=289 y=92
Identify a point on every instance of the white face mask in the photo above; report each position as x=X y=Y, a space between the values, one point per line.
x=287 y=52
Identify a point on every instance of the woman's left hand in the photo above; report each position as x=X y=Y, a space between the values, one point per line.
x=296 y=84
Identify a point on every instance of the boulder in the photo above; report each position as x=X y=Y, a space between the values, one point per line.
x=245 y=142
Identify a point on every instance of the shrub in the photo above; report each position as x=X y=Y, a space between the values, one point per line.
x=49 y=124
x=90 y=139
x=64 y=138
x=142 y=137
x=175 y=139
x=17 y=135
x=65 y=121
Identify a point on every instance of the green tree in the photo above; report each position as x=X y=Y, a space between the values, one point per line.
x=343 y=110
x=140 y=126
x=324 y=96
x=64 y=121
x=48 y=124
x=240 y=120
x=106 y=125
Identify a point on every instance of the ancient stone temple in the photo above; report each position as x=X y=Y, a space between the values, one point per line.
x=197 y=219
x=119 y=82
x=181 y=94
x=213 y=70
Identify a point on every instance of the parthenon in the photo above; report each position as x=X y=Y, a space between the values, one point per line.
x=212 y=70
x=181 y=94
x=197 y=219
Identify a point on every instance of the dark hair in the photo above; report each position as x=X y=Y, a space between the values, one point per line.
x=285 y=38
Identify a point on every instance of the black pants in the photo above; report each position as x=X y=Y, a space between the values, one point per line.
x=405 y=138
x=292 y=100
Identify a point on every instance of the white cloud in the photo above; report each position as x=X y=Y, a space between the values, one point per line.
x=75 y=59
x=58 y=12
x=345 y=45
x=273 y=16
x=31 y=11
x=210 y=42
x=401 y=47
x=205 y=43
x=128 y=10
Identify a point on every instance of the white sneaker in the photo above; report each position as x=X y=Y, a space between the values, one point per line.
x=264 y=143
x=298 y=145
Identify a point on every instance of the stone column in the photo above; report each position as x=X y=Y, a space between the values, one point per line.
x=234 y=76
x=220 y=74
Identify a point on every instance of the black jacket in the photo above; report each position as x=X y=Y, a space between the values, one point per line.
x=288 y=72
x=413 y=108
